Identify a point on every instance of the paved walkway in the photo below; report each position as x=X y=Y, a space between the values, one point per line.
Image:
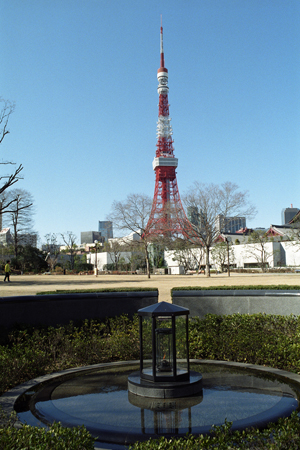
x=32 y=284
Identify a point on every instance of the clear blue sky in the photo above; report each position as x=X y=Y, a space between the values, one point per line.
x=83 y=76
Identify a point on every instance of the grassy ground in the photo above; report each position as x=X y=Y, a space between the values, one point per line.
x=31 y=284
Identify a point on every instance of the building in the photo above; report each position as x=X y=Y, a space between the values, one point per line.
x=89 y=237
x=243 y=256
x=106 y=229
x=229 y=224
x=193 y=215
x=287 y=214
x=106 y=259
x=28 y=239
x=6 y=237
x=126 y=239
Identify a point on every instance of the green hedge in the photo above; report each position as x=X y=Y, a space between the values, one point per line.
x=32 y=352
x=272 y=287
x=283 y=436
x=89 y=291
x=36 y=438
x=258 y=339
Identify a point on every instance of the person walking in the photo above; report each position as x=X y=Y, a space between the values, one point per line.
x=7 y=270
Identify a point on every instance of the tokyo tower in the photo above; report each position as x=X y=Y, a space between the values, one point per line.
x=167 y=217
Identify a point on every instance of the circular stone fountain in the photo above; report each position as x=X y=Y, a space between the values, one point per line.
x=97 y=397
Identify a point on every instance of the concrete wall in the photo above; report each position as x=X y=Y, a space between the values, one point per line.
x=226 y=302
x=59 y=309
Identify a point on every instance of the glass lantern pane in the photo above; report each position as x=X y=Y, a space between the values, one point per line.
x=181 y=345
x=164 y=347
x=147 y=345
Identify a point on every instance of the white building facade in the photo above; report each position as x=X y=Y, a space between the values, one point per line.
x=243 y=256
x=105 y=258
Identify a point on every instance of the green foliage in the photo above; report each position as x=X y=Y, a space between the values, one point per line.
x=82 y=266
x=256 y=339
x=30 y=259
x=35 y=438
x=272 y=287
x=283 y=436
x=33 y=352
x=91 y=291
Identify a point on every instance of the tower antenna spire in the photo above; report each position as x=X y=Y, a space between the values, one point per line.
x=162 y=58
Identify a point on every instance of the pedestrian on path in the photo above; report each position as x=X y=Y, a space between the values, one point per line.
x=7 y=270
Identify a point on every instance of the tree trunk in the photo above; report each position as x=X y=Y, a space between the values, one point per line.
x=147 y=261
x=207 y=268
x=228 y=262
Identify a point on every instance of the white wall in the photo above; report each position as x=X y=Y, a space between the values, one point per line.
x=195 y=253
x=277 y=253
x=251 y=254
x=292 y=253
x=104 y=258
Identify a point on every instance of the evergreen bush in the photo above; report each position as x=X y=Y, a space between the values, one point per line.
x=36 y=438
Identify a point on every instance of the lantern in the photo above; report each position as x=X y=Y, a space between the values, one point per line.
x=164 y=354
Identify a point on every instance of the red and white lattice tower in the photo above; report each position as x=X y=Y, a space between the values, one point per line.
x=167 y=217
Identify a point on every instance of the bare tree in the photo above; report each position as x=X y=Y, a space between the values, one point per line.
x=259 y=248
x=52 y=250
x=7 y=180
x=19 y=216
x=114 y=248
x=70 y=240
x=223 y=255
x=187 y=254
x=211 y=202
x=131 y=215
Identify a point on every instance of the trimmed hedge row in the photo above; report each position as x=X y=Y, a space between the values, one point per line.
x=256 y=339
x=272 y=287
x=89 y=291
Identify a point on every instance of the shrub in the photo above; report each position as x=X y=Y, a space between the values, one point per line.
x=256 y=339
x=92 y=291
x=36 y=351
x=54 y=438
x=283 y=436
x=271 y=287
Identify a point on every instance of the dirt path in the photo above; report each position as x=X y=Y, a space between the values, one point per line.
x=31 y=284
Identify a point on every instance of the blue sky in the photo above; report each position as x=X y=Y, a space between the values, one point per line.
x=83 y=76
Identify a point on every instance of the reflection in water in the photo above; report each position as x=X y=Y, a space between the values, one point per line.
x=165 y=416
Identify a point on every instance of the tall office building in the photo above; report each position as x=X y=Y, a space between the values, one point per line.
x=89 y=237
x=230 y=224
x=287 y=214
x=193 y=215
x=106 y=229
